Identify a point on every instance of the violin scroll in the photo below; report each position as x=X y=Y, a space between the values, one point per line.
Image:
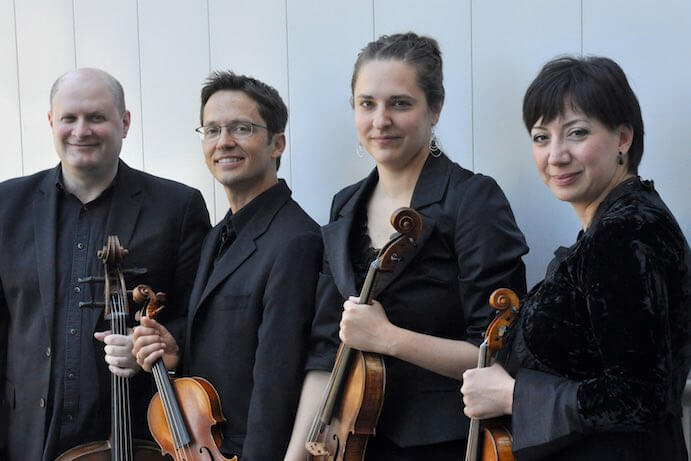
x=408 y=225
x=506 y=302
x=154 y=301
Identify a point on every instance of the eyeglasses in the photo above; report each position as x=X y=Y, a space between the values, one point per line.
x=237 y=130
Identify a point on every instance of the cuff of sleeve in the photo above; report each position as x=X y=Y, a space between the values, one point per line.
x=545 y=414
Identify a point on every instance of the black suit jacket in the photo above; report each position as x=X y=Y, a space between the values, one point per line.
x=249 y=323
x=160 y=222
x=470 y=245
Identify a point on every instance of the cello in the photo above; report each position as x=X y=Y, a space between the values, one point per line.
x=184 y=415
x=354 y=394
x=120 y=446
x=490 y=440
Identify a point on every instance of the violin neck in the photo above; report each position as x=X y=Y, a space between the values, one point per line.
x=474 y=430
x=121 y=422
x=171 y=408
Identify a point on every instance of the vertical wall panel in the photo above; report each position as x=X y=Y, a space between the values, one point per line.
x=174 y=51
x=255 y=45
x=511 y=42
x=452 y=30
x=45 y=46
x=323 y=41
x=110 y=42
x=651 y=41
x=11 y=155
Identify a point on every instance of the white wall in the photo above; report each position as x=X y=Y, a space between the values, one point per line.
x=161 y=51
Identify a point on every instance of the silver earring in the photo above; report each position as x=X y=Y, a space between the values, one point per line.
x=360 y=151
x=434 y=146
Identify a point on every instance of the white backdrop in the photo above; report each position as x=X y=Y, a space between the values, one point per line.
x=161 y=51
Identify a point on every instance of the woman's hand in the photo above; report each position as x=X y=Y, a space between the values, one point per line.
x=487 y=392
x=366 y=327
x=153 y=341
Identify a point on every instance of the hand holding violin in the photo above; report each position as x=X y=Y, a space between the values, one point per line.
x=487 y=392
x=366 y=327
x=153 y=341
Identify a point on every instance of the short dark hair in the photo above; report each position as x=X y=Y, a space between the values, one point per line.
x=595 y=86
x=112 y=82
x=421 y=52
x=271 y=107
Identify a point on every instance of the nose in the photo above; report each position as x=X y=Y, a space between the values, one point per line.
x=558 y=152
x=381 y=118
x=225 y=139
x=81 y=128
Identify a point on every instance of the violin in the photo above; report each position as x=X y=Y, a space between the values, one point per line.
x=184 y=414
x=354 y=394
x=120 y=446
x=489 y=439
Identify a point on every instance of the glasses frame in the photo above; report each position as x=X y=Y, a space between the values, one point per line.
x=202 y=135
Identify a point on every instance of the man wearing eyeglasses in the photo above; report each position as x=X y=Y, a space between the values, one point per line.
x=54 y=378
x=252 y=304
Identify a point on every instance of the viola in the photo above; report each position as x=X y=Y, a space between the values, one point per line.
x=489 y=439
x=354 y=394
x=184 y=415
x=120 y=446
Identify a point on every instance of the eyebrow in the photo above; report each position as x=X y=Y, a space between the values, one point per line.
x=566 y=125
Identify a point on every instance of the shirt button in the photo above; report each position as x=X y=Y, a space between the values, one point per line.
x=80 y=245
x=69 y=418
x=70 y=375
x=73 y=331
x=47 y=351
x=42 y=403
x=77 y=289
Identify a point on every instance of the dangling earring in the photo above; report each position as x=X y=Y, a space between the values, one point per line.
x=620 y=159
x=434 y=146
x=360 y=151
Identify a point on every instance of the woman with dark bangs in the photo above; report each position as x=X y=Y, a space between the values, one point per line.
x=599 y=356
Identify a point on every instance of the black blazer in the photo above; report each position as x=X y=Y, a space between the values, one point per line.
x=249 y=323
x=161 y=222
x=470 y=245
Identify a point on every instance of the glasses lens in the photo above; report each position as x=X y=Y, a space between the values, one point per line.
x=240 y=129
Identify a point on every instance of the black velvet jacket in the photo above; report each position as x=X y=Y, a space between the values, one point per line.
x=601 y=350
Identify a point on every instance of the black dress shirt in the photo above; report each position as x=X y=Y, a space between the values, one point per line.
x=80 y=234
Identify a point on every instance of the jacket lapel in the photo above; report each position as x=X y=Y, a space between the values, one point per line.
x=239 y=252
x=335 y=236
x=45 y=208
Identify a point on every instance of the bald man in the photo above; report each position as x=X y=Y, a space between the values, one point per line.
x=54 y=379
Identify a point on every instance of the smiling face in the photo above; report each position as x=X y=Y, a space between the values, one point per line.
x=88 y=128
x=577 y=157
x=245 y=167
x=392 y=117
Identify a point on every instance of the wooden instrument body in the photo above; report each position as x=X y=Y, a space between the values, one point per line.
x=101 y=451
x=355 y=420
x=200 y=407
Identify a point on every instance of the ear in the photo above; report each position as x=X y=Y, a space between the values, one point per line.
x=278 y=144
x=435 y=116
x=625 y=138
x=126 y=117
